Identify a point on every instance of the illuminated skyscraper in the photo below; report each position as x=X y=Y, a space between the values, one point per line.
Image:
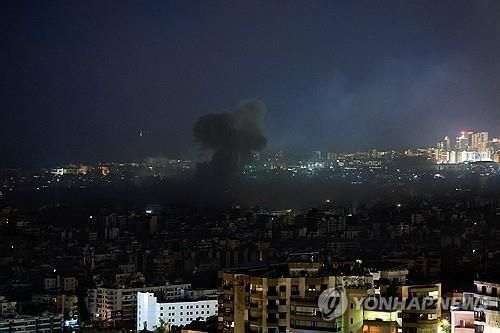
x=447 y=143
x=463 y=141
x=480 y=142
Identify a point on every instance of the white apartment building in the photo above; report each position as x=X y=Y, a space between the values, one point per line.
x=108 y=306
x=482 y=315
x=487 y=312
x=462 y=316
x=150 y=311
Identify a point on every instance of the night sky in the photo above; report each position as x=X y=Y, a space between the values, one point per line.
x=82 y=79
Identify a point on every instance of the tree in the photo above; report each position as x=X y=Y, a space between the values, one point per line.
x=163 y=327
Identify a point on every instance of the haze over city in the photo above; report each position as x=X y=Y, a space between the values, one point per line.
x=93 y=81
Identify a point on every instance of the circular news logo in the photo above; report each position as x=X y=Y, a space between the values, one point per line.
x=332 y=303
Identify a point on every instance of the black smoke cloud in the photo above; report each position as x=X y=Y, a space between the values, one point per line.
x=231 y=138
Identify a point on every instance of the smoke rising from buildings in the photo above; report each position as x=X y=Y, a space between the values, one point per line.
x=231 y=137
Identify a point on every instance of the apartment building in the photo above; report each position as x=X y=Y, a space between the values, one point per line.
x=151 y=311
x=487 y=310
x=424 y=314
x=7 y=307
x=44 y=323
x=462 y=316
x=285 y=299
x=66 y=284
x=117 y=307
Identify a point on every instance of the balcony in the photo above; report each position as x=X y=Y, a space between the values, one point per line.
x=459 y=329
x=465 y=325
x=306 y=300
x=311 y=294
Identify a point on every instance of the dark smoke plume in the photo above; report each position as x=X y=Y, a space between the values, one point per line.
x=232 y=137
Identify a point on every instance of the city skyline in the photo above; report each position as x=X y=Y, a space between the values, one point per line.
x=490 y=147
x=93 y=82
